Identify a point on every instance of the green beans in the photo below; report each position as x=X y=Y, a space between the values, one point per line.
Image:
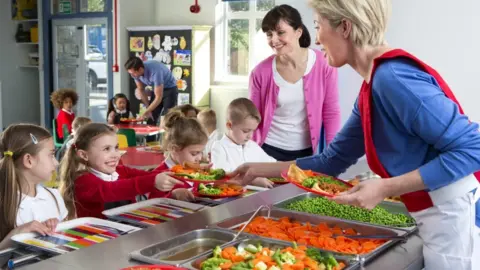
x=325 y=207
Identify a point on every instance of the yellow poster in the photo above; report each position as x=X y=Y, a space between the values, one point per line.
x=137 y=44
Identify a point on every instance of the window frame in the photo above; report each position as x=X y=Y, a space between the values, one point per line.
x=222 y=45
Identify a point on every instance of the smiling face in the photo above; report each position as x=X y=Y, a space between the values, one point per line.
x=102 y=154
x=334 y=41
x=284 y=39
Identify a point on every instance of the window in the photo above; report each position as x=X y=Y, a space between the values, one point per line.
x=242 y=42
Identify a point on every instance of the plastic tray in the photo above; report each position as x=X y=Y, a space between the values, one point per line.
x=75 y=234
x=164 y=210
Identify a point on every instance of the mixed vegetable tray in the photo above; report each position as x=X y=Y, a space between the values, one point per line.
x=198 y=174
x=218 y=191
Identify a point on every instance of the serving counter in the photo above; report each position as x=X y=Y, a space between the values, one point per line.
x=114 y=254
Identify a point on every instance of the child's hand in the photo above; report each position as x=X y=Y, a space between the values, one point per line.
x=262 y=182
x=33 y=226
x=164 y=182
x=183 y=194
x=51 y=224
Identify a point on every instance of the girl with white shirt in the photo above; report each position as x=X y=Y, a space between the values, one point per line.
x=92 y=180
x=28 y=159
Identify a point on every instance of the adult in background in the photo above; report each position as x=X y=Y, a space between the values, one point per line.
x=295 y=90
x=159 y=77
x=411 y=128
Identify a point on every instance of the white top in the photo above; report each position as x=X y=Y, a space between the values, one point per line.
x=105 y=177
x=289 y=129
x=228 y=155
x=212 y=138
x=41 y=207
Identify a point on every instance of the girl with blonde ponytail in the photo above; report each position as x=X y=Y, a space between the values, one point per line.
x=27 y=160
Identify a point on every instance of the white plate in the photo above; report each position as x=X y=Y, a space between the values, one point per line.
x=49 y=246
x=180 y=205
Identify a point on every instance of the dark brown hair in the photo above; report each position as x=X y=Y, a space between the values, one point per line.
x=72 y=166
x=185 y=108
x=208 y=119
x=292 y=17
x=134 y=63
x=181 y=131
x=112 y=102
x=60 y=95
x=19 y=140
x=240 y=109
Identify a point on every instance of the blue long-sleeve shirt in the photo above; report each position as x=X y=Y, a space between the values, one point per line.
x=415 y=126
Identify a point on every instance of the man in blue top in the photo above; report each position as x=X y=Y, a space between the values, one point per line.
x=160 y=78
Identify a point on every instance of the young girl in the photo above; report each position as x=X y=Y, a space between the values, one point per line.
x=64 y=100
x=91 y=180
x=28 y=159
x=184 y=141
x=118 y=108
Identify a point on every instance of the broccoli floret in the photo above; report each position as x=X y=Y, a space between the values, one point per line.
x=201 y=187
x=212 y=263
x=217 y=252
x=217 y=173
x=309 y=182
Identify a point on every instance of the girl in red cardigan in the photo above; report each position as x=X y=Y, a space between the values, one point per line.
x=92 y=181
x=184 y=141
x=64 y=100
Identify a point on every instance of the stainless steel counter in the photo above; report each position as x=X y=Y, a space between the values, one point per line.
x=114 y=254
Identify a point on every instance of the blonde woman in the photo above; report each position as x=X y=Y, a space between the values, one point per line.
x=411 y=128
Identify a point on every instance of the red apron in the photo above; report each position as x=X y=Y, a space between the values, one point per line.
x=418 y=200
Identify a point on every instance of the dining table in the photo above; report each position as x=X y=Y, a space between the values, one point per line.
x=141 y=157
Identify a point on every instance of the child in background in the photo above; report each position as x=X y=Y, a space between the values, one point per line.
x=188 y=110
x=236 y=146
x=118 y=108
x=91 y=180
x=208 y=119
x=64 y=100
x=76 y=125
x=28 y=159
x=184 y=141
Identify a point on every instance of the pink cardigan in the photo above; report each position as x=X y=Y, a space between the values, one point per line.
x=321 y=98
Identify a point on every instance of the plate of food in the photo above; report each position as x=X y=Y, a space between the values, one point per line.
x=130 y=120
x=278 y=180
x=218 y=191
x=198 y=174
x=314 y=182
x=153 y=267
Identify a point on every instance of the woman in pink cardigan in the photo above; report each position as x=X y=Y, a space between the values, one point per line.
x=295 y=90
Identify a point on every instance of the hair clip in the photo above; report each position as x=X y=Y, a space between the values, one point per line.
x=34 y=139
x=8 y=154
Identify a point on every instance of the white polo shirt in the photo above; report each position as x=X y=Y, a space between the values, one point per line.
x=228 y=155
x=41 y=207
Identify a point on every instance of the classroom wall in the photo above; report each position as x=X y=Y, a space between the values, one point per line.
x=130 y=13
x=20 y=100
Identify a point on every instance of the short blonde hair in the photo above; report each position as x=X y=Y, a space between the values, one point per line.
x=369 y=18
x=241 y=109
x=208 y=119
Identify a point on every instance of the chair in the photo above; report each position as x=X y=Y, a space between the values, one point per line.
x=56 y=141
x=130 y=134
x=122 y=141
x=66 y=133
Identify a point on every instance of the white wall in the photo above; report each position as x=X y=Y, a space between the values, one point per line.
x=20 y=87
x=177 y=12
x=130 y=13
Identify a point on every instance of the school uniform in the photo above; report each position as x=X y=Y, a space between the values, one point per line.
x=228 y=155
x=64 y=117
x=163 y=167
x=47 y=204
x=121 y=114
x=212 y=138
x=96 y=191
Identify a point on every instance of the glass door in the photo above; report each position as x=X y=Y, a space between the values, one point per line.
x=80 y=62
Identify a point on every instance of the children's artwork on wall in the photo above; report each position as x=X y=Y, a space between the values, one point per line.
x=177 y=73
x=150 y=43
x=137 y=44
x=167 y=43
x=183 y=43
x=182 y=57
x=156 y=42
x=175 y=41
x=186 y=72
x=182 y=85
x=148 y=55
x=183 y=98
x=162 y=56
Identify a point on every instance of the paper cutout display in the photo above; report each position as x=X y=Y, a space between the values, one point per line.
x=182 y=57
x=182 y=85
x=137 y=44
x=167 y=43
x=156 y=42
x=183 y=99
x=177 y=73
x=175 y=41
x=186 y=73
x=183 y=43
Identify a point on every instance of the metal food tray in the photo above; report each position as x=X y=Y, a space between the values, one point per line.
x=171 y=252
x=194 y=264
x=114 y=213
x=362 y=228
x=392 y=207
